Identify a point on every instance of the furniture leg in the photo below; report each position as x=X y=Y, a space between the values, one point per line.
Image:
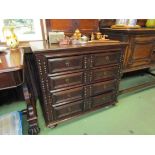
x=31 y=112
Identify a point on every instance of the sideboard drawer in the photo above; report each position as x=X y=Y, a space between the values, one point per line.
x=62 y=81
x=104 y=73
x=103 y=99
x=102 y=87
x=68 y=109
x=6 y=80
x=106 y=58
x=68 y=95
x=65 y=64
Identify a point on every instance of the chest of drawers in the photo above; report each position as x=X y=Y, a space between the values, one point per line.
x=73 y=80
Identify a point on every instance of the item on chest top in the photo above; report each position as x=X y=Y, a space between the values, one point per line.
x=92 y=36
x=10 y=36
x=132 y=22
x=150 y=23
x=78 y=39
x=55 y=37
x=98 y=35
x=77 y=34
x=64 y=41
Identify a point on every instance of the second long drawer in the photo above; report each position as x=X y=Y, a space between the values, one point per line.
x=82 y=78
x=70 y=95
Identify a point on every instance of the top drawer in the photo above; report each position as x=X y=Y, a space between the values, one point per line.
x=65 y=64
x=106 y=58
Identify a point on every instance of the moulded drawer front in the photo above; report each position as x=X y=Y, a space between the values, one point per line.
x=102 y=87
x=103 y=99
x=105 y=59
x=6 y=80
x=68 y=95
x=104 y=73
x=66 y=80
x=68 y=109
x=65 y=64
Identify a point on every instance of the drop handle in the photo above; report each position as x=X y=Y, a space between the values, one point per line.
x=67 y=64
x=67 y=80
x=107 y=58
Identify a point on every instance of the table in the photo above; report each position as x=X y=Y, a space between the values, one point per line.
x=12 y=75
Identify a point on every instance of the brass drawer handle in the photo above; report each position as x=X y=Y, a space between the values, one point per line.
x=69 y=95
x=0 y=60
x=103 y=98
x=104 y=73
x=69 y=109
x=107 y=58
x=67 y=64
x=67 y=80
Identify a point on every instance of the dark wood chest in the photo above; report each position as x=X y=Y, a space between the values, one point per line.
x=74 y=80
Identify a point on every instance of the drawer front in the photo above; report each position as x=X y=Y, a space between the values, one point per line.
x=102 y=87
x=104 y=73
x=68 y=95
x=66 y=80
x=68 y=109
x=103 y=99
x=65 y=64
x=105 y=59
x=6 y=80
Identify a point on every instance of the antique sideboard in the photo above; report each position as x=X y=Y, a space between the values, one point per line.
x=140 y=52
x=72 y=80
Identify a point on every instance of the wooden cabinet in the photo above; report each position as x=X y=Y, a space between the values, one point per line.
x=140 y=50
x=86 y=26
x=75 y=80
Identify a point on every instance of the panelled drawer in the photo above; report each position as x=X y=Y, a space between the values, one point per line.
x=6 y=80
x=106 y=58
x=68 y=109
x=68 y=95
x=103 y=99
x=62 y=81
x=65 y=64
x=79 y=93
x=104 y=73
x=86 y=77
x=83 y=105
x=11 y=79
x=102 y=87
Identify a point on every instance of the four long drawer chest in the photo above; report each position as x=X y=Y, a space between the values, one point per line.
x=72 y=80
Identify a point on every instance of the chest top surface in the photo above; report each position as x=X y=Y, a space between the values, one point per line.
x=42 y=46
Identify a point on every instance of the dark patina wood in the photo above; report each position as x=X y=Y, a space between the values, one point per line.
x=11 y=68
x=139 y=53
x=13 y=74
x=75 y=79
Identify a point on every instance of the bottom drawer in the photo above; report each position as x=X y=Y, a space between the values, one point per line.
x=74 y=108
x=103 y=99
x=68 y=109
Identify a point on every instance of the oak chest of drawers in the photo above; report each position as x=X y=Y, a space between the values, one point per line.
x=73 y=80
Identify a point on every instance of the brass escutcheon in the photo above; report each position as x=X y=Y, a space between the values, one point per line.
x=67 y=64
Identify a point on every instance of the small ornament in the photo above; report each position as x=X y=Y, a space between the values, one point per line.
x=10 y=36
